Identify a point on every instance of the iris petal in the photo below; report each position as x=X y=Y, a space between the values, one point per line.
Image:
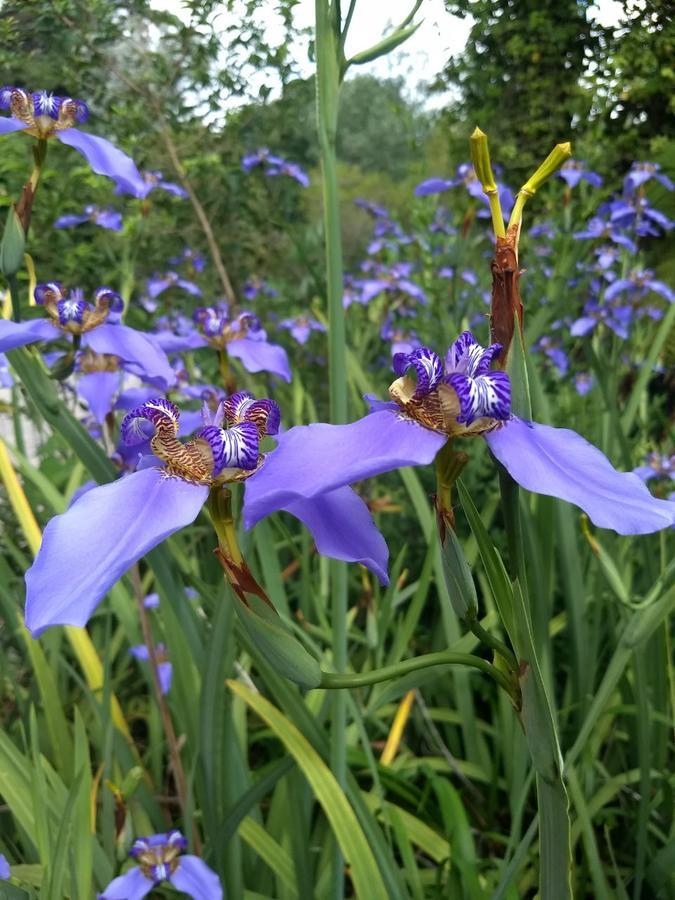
x=316 y=459
x=560 y=463
x=428 y=367
x=194 y=878
x=260 y=356
x=133 y=885
x=89 y=547
x=133 y=347
x=343 y=528
x=18 y=334
x=105 y=159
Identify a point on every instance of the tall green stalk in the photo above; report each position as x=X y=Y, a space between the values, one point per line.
x=328 y=80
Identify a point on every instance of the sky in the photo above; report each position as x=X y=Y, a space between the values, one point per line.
x=422 y=56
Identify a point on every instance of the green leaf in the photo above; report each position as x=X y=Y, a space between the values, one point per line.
x=364 y=871
x=267 y=630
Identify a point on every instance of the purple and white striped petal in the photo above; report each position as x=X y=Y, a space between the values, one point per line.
x=243 y=407
x=139 y=425
x=487 y=395
x=196 y=879
x=560 y=463
x=71 y=310
x=133 y=885
x=428 y=367
x=88 y=548
x=232 y=448
x=468 y=357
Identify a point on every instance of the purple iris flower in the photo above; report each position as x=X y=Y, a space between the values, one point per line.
x=433 y=402
x=4 y=867
x=301 y=327
x=617 y=318
x=242 y=336
x=42 y=115
x=193 y=258
x=164 y=667
x=642 y=172
x=657 y=465
x=95 y=324
x=154 y=180
x=255 y=286
x=465 y=175
x=543 y=229
x=583 y=383
x=600 y=228
x=125 y=519
x=607 y=256
x=394 y=279
x=574 y=171
x=160 y=283
x=635 y=212
x=373 y=209
x=639 y=284
x=551 y=348
x=160 y=858
x=105 y=218
x=151 y=601
x=274 y=165
x=401 y=342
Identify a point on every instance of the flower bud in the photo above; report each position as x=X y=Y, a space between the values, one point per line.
x=13 y=244
x=480 y=157
x=560 y=154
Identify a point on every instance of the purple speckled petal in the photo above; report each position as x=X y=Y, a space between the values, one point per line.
x=428 y=367
x=18 y=334
x=133 y=347
x=261 y=356
x=560 y=463
x=133 y=885
x=316 y=459
x=88 y=548
x=196 y=879
x=343 y=528
x=98 y=389
x=105 y=159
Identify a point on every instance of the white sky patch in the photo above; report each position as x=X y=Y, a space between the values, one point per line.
x=419 y=60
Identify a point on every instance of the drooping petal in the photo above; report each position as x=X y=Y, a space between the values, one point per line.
x=177 y=343
x=433 y=186
x=261 y=356
x=196 y=879
x=343 y=528
x=133 y=885
x=317 y=459
x=98 y=389
x=428 y=367
x=18 y=334
x=133 y=347
x=560 y=463
x=8 y=125
x=70 y=221
x=105 y=159
x=86 y=549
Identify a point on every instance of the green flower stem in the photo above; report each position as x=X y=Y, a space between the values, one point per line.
x=329 y=70
x=336 y=680
x=491 y=641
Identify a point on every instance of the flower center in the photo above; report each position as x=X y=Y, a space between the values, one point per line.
x=158 y=855
x=219 y=329
x=44 y=113
x=71 y=312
